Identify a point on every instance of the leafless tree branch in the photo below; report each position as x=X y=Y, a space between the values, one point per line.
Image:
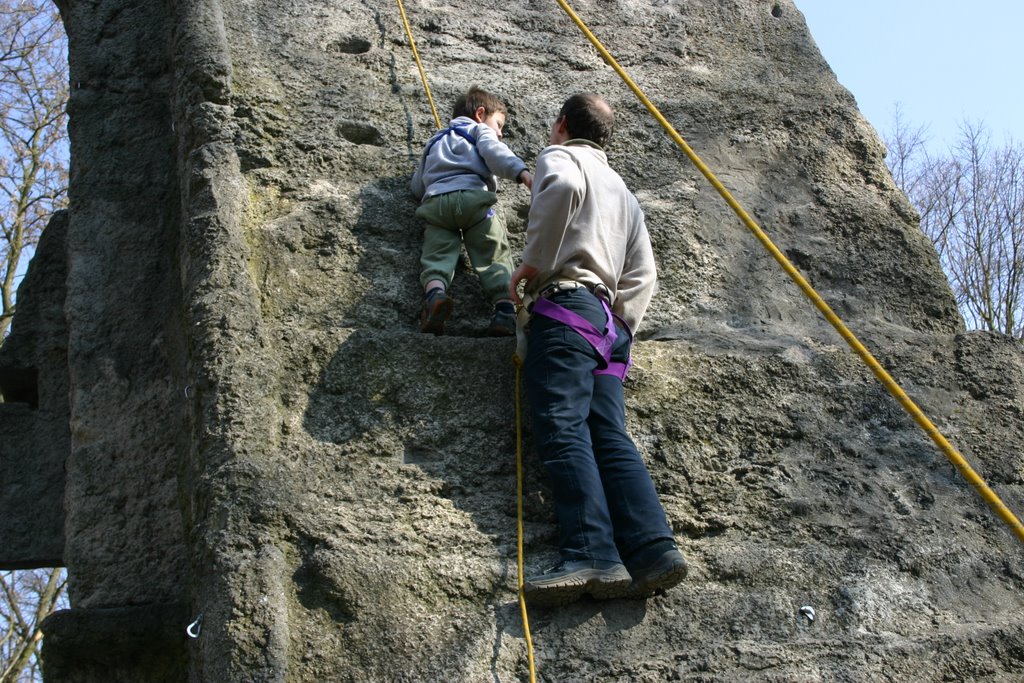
x=33 y=139
x=971 y=203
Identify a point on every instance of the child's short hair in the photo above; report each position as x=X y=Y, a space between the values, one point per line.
x=475 y=98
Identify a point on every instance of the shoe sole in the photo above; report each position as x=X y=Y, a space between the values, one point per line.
x=433 y=322
x=667 y=572
x=610 y=590
x=571 y=589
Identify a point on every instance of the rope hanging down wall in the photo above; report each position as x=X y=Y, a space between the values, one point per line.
x=518 y=410
x=957 y=460
x=951 y=453
x=876 y=368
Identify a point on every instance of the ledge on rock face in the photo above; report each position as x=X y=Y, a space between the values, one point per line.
x=139 y=643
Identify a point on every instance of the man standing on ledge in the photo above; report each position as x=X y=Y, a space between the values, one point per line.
x=589 y=270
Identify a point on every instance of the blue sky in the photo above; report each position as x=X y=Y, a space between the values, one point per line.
x=942 y=61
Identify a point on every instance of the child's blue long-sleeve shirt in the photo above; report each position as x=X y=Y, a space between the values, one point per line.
x=454 y=163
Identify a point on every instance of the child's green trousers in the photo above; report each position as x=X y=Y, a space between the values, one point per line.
x=470 y=217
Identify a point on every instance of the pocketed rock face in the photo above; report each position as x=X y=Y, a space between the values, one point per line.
x=260 y=435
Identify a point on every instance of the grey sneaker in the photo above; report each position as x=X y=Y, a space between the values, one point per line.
x=568 y=581
x=655 y=569
x=437 y=306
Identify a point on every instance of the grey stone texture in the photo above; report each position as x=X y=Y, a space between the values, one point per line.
x=34 y=433
x=257 y=433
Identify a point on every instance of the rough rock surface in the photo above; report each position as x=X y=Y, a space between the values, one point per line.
x=259 y=434
x=34 y=411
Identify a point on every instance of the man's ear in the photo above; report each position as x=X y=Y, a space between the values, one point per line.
x=480 y=114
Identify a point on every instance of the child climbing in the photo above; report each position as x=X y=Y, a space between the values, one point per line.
x=456 y=183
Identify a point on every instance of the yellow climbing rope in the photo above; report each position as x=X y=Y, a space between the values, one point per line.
x=887 y=381
x=519 y=421
x=922 y=420
x=419 y=64
x=519 y=519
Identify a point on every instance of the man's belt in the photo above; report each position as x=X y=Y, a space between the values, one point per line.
x=559 y=286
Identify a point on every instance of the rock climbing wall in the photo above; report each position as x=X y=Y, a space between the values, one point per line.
x=260 y=436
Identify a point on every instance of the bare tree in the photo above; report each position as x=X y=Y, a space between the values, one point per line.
x=971 y=202
x=33 y=137
x=28 y=597
x=33 y=182
x=908 y=153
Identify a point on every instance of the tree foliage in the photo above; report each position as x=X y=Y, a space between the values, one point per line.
x=971 y=201
x=33 y=137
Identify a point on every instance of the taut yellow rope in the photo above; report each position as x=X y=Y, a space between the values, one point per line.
x=419 y=64
x=888 y=382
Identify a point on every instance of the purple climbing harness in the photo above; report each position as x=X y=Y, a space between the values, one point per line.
x=601 y=341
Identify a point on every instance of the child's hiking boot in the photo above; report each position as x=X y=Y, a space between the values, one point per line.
x=568 y=581
x=437 y=306
x=655 y=569
x=503 y=322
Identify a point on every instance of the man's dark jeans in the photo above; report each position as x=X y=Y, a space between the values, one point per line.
x=604 y=498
